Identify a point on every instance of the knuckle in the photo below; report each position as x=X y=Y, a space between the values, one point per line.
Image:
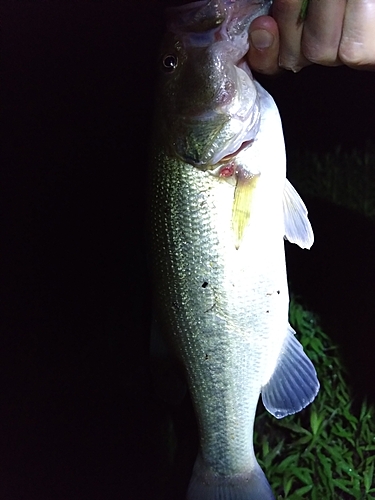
x=318 y=54
x=319 y=49
x=352 y=53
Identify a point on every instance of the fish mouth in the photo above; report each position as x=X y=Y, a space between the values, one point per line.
x=243 y=117
x=245 y=145
x=227 y=168
x=219 y=125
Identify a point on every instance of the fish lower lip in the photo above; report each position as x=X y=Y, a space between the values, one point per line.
x=243 y=146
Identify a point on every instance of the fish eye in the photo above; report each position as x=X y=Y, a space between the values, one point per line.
x=170 y=62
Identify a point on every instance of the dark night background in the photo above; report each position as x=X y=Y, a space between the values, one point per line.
x=77 y=415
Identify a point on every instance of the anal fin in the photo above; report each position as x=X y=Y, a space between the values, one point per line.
x=294 y=383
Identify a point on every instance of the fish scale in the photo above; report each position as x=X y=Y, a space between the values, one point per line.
x=217 y=221
x=214 y=319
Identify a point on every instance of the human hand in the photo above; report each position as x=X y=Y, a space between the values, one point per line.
x=334 y=32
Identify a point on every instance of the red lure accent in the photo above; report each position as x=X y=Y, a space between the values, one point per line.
x=227 y=171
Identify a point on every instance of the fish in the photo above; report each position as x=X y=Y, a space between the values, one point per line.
x=220 y=209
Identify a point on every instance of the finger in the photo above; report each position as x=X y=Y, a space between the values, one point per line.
x=287 y=16
x=357 y=47
x=263 y=55
x=322 y=31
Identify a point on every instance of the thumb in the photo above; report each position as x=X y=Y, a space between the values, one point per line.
x=263 y=55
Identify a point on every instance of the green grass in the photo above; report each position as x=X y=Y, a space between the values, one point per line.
x=303 y=11
x=327 y=451
x=344 y=178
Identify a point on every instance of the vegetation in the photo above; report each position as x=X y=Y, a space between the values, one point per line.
x=326 y=451
x=344 y=178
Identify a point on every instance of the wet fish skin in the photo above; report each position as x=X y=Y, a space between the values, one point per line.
x=217 y=254
x=208 y=107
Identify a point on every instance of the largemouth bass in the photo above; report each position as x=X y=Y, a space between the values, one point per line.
x=220 y=209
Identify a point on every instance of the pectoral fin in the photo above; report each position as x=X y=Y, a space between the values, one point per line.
x=243 y=198
x=294 y=383
x=297 y=225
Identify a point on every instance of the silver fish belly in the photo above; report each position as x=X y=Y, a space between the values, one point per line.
x=221 y=296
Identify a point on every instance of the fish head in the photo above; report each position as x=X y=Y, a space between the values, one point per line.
x=209 y=105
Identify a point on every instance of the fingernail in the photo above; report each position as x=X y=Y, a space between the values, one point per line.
x=295 y=69
x=261 y=39
x=291 y=64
